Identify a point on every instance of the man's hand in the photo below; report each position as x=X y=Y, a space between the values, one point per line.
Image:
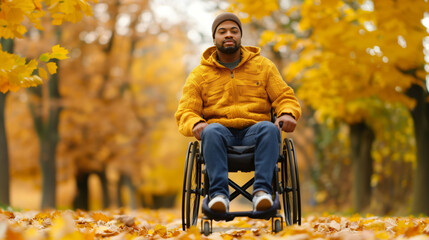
x=289 y=123
x=198 y=129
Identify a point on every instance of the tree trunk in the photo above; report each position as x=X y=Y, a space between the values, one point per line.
x=81 y=199
x=105 y=188
x=361 y=140
x=126 y=181
x=47 y=131
x=420 y=116
x=4 y=155
x=7 y=45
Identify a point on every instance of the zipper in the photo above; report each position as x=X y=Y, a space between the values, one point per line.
x=235 y=96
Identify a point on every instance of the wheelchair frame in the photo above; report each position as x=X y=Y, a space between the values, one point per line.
x=196 y=184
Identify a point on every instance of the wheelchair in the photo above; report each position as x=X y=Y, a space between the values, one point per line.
x=240 y=159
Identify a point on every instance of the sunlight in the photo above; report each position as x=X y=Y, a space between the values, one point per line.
x=123 y=23
x=368 y=6
x=402 y=42
x=369 y=25
x=425 y=20
x=144 y=21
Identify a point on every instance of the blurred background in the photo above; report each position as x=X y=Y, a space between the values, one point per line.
x=101 y=133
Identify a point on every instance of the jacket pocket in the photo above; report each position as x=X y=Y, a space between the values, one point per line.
x=252 y=88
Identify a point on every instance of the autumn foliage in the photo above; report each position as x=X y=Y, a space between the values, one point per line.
x=143 y=224
x=16 y=71
x=117 y=96
x=349 y=61
x=359 y=64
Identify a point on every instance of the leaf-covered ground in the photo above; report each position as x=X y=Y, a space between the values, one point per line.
x=146 y=224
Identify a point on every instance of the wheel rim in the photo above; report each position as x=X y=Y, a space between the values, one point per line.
x=293 y=184
x=298 y=191
x=185 y=178
x=289 y=185
x=193 y=187
x=286 y=205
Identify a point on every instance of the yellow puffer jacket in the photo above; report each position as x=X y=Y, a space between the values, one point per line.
x=238 y=98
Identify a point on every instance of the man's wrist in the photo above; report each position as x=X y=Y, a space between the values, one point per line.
x=290 y=114
x=201 y=121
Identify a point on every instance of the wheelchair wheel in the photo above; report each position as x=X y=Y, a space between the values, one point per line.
x=290 y=184
x=191 y=187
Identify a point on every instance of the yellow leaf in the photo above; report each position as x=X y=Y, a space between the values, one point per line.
x=43 y=74
x=161 y=230
x=355 y=218
x=59 y=52
x=37 y=4
x=382 y=235
x=9 y=215
x=98 y=216
x=266 y=37
x=62 y=226
x=85 y=7
x=292 y=9
x=52 y=67
x=57 y=19
x=20 y=30
x=44 y=57
x=377 y=225
x=228 y=237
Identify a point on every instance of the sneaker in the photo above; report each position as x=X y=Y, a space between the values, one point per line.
x=220 y=203
x=262 y=201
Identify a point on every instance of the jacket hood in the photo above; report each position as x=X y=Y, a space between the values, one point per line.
x=247 y=53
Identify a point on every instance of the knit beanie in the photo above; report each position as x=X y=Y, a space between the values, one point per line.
x=225 y=17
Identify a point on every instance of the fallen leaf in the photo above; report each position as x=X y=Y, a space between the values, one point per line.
x=98 y=216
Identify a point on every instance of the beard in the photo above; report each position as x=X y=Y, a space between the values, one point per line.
x=228 y=50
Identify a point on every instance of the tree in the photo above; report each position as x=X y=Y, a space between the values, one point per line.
x=128 y=79
x=7 y=46
x=46 y=125
x=99 y=93
x=379 y=43
x=420 y=114
x=352 y=55
x=17 y=73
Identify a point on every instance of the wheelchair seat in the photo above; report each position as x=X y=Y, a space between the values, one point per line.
x=240 y=158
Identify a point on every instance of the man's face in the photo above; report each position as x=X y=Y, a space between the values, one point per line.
x=228 y=37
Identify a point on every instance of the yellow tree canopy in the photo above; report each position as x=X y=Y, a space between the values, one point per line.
x=357 y=55
x=352 y=53
x=15 y=71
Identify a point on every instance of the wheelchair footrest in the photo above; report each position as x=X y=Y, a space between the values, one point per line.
x=229 y=216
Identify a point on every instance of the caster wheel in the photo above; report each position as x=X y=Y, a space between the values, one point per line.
x=206 y=228
x=277 y=226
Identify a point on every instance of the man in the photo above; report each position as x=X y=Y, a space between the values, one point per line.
x=226 y=101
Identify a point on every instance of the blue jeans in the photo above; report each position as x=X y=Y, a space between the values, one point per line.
x=215 y=138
